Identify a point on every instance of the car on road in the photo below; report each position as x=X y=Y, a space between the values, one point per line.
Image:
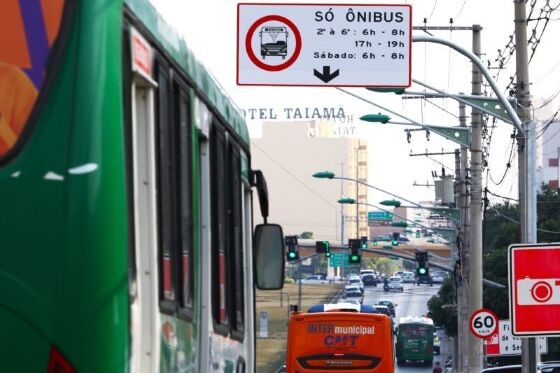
x=408 y=277
x=548 y=367
x=369 y=280
x=382 y=309
x=355 y=281
x=315 y=279
x=398 y=273
x=396 y=284
x=437 y=344
x=403 y=239
x=424 y=280
x=366 y=272
x=438 y=277
x=504 y=369
x=349 y=300
x=389 y=304
x=353 y=292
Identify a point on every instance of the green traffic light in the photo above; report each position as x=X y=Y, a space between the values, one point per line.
x=328 y=254
x=292 y=255
x=354 y=257
x=374 y=243
x=395 y=243
x=422 y=271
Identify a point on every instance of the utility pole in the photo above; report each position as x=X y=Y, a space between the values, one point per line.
x=463 y=255
x=357 y=191
x=527 y=159
x=456 y=255
x=342 y=206
x=475 y=234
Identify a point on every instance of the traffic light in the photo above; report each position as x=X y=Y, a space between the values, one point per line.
x=293 y=249
x=396 y=236
x=374 y=242
x=323 y=247
x=363 y=241
x=418 y=234
x=355 y=255
x=422 y=267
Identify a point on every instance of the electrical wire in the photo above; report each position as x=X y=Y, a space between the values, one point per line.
x=516 y=222
x=294 y=176
x=433 y=10
x=460 y=10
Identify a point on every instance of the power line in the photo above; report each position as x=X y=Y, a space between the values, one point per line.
x=516 y=222
x=294 y=176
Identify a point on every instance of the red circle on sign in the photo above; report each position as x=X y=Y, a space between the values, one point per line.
x=491 y=314
x=541 y=291
x=254 y=58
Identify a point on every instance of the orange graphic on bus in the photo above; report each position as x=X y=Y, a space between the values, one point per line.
x=28 y=30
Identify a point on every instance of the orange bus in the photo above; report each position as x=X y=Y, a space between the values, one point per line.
x=340 y=337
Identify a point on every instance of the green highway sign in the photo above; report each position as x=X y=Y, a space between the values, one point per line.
x=339 y=260
x=380 y=216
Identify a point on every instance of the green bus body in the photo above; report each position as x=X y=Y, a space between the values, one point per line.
x=67 y=227
x=415 y=340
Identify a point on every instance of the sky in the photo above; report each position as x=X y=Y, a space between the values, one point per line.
x=210 y=30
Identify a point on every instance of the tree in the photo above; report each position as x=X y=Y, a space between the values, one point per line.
x=306 y=235
x=439 y=310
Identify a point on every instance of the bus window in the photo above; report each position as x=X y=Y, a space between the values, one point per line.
x=339 y=341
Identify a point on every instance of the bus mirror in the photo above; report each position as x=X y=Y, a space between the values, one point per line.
x=268 y=244
x=258 y=181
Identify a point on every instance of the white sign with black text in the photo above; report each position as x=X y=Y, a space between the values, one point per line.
x=324 y=45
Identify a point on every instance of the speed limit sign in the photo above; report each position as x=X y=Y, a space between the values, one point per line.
x=483 y=323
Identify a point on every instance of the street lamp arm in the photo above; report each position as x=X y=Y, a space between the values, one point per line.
x=376 y=188
x=505 y=103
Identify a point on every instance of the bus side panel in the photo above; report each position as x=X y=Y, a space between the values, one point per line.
x=92 y=305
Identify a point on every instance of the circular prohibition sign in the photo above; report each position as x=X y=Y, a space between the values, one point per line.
x=483 y=323
x=254 y=58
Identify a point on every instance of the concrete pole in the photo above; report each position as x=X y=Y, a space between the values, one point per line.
x=341 y=205
x=357 y=192
x=462 y=294
x=457 y=356
x=462 y=255
x=526 y=157
x=475 y=234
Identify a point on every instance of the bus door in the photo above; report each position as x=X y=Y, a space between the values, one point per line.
x=145 y=349
x=202 y=120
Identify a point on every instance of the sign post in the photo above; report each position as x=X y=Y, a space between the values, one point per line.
x=534 y=289
x=324 y=45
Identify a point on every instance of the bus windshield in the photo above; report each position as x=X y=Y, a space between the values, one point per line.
x=339 y=341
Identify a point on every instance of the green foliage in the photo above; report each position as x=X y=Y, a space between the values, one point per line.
x=446 y=317
x=306 y=235
x=289 y=280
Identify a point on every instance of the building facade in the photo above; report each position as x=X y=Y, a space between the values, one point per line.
x=289 y=153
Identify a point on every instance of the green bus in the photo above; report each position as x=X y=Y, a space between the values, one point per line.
x=415 y=340
x=126 y=191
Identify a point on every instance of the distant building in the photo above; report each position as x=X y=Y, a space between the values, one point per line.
x=289 y=153
x=548 y=156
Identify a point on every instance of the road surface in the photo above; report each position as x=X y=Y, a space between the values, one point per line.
x=413 y=301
